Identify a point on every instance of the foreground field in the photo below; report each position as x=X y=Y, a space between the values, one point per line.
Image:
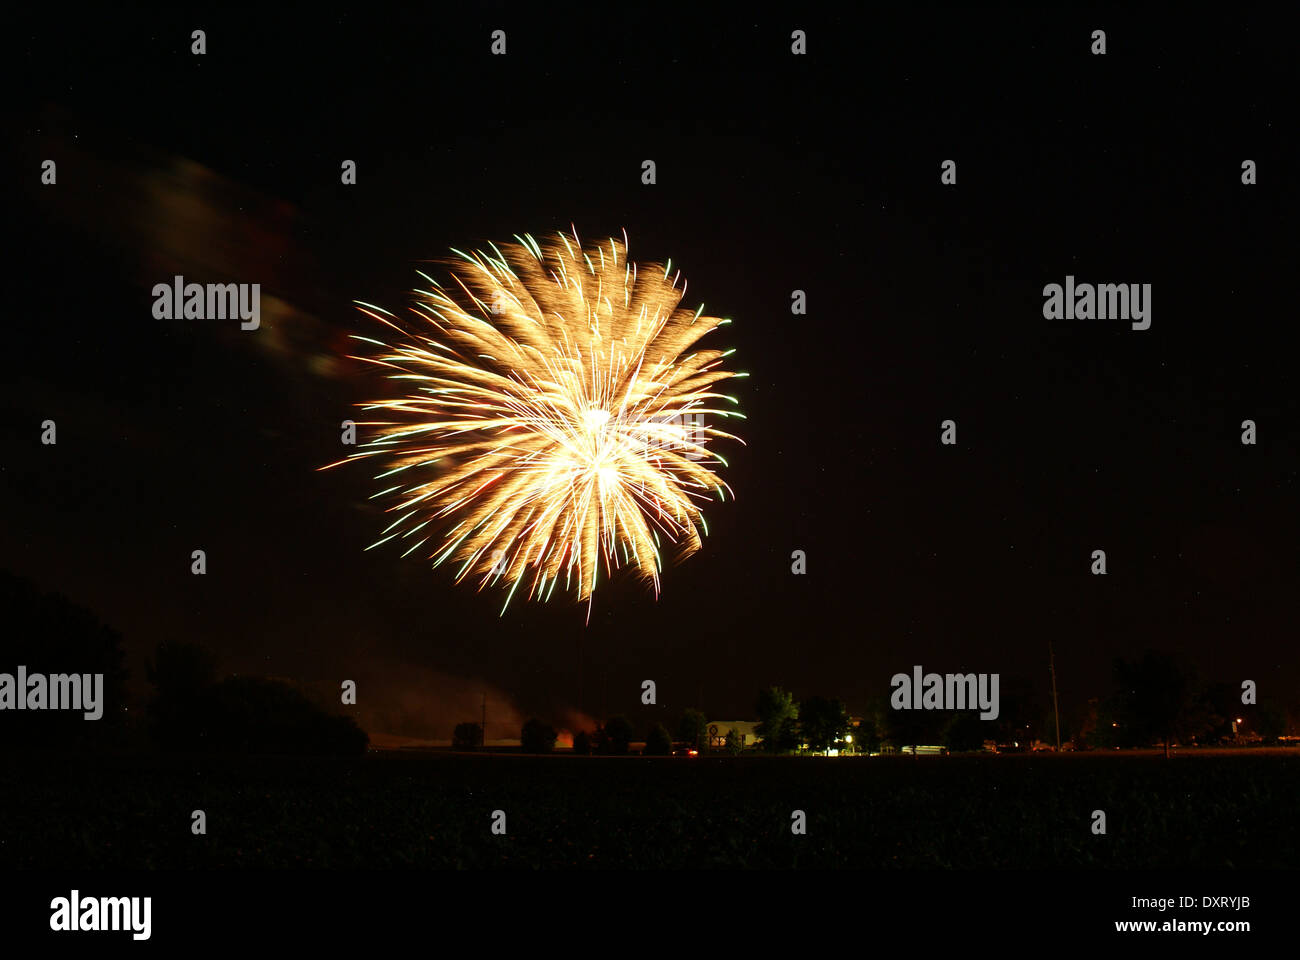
x=430 y=810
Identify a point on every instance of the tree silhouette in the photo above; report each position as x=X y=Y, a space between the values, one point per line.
x=194 y=712
x=965 y=731
x=692 y=727
x=778 y=716
x=537 y=737
x=615 y=736
x=1270 y=720
x=1158 y=694
x=182 y=712
x=823 y=722
x=866 y=735
x=49 y=634
x=658 y=742
x=732 y=742
x=467 y=736
x=1022 y=719
x=911 y=728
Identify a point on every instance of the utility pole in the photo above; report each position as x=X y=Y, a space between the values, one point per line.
x=484 y=721
x=699 y=705
x=1055 y=707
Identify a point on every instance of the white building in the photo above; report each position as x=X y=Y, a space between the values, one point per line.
x=717 y=731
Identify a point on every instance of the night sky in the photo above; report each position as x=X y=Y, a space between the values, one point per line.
x=775 y=173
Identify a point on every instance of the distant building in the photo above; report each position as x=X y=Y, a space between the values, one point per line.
x=717 y=732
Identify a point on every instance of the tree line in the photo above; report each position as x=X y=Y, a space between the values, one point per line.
x=1158 y=699
x=193 y=709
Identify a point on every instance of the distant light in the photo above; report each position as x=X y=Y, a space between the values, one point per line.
x=1239 y=720
x=848 y=738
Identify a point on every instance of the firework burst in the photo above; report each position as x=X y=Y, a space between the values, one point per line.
x=549 y=421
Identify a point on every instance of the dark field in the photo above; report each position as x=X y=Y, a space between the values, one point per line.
x=433 y=811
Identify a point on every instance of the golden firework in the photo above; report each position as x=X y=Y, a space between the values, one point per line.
x=551 y=417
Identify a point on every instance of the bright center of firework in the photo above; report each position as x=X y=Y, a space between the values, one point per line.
x=548 y=443
x=596 y=419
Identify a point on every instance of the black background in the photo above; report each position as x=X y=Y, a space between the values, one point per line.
x=775 y=173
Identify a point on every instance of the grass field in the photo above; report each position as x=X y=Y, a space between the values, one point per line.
x=411 y=809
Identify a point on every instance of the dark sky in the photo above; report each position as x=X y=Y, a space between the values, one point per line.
x=775 y=173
